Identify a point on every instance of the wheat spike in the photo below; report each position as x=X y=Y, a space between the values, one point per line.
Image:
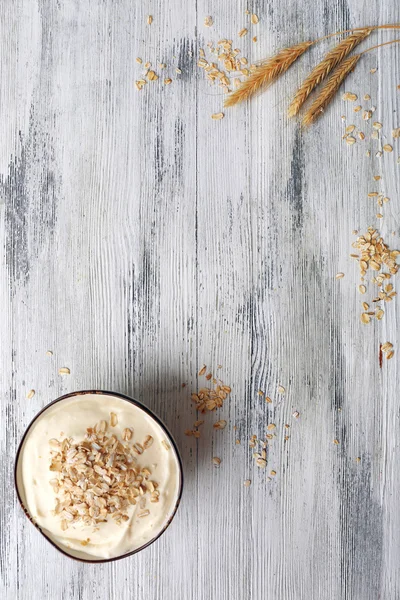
x=268 y=72
x=322 y=70
x=329 y=89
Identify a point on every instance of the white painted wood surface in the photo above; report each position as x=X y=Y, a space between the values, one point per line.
x=140 y=239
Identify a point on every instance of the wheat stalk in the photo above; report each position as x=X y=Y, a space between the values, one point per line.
x=322 y=69
x=329 y=89
x=273 y=68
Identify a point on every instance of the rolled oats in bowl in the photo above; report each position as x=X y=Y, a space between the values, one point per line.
x=99 y=475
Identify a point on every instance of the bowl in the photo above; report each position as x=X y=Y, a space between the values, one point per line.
x=77 y=411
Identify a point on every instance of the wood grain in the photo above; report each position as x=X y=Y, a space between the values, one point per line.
x=142 y=239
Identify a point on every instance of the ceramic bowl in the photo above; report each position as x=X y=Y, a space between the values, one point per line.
x=21 y=493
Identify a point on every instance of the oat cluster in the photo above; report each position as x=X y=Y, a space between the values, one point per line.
x=260 y=458
x=100 y=477
x=376 y=255
x=225 y=66
x=150 y=74
x=210 y=398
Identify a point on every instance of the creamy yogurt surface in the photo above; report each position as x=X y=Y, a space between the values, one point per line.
x=70 y=418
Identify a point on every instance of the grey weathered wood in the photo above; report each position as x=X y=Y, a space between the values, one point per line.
x=141 y=238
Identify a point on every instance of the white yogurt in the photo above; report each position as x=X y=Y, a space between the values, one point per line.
x=70 y=418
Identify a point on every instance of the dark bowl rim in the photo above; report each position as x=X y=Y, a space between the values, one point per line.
x=163 y=427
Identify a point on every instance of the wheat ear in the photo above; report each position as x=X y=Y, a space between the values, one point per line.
x=322 y=70
x=330 y=89
x=268 y=72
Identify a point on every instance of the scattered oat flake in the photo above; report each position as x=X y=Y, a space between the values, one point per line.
x=217 y=116
x=113 y=419
x=388 y=148
x=387 y=346
x=372 y=71
x=281 y=389
x=271 y=426
x=357 y=109
x=273 y=473
x=30 y=394
x=361 y=135
x=296 y=414
x=208 y=21
x=396 y=132
x=237 y=442
x=255 y=38
x=64 y=371
x=203 y=370
x=254 y=19
x=350 y=140
x=49 y=353
x=149 y=20
x=390 y=355
x=362 y=289
x=339 y=275
x=367 y=97
x=336 y=442
x=376 y=125
x=216 y=460
x=247 y=482
x=268 y=400
x=350 y=128
x=167 y=81
x=220 y=424
x=139 y=60
x=349 y=96
x=243 y=32
x=365 y=318
x=178 y=70
x=367 y=114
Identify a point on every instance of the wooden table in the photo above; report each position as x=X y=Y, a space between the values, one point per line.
x=141 y=239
